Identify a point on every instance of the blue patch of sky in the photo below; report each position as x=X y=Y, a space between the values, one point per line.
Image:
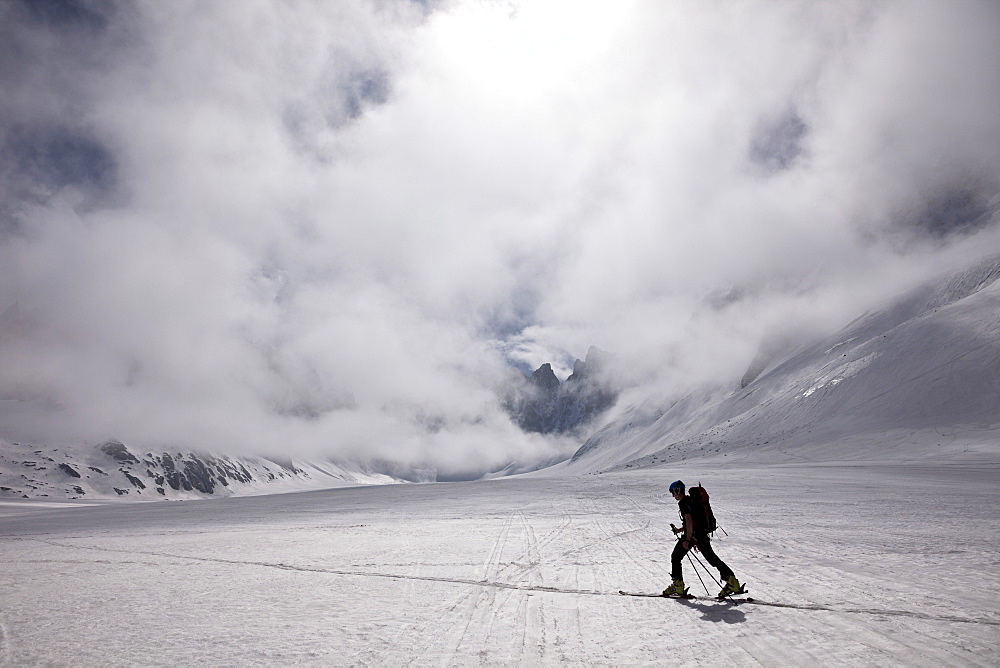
x=67 y=13
x=508 y=319
x=61 y=157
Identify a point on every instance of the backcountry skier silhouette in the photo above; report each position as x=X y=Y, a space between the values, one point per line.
x=692 y=535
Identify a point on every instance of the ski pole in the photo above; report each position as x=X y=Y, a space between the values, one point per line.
x=707 y=571
x=705 y=568
x=698 y=574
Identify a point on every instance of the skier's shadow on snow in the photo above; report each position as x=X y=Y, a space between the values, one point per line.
x=717 y=612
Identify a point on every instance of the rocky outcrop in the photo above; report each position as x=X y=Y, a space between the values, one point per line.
x=541 y=404
x=118 y=451
x=69 y=470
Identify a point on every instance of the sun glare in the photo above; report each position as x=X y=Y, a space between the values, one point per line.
x=521 y=52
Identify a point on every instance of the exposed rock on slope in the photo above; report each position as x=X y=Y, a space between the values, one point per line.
x=112 y=470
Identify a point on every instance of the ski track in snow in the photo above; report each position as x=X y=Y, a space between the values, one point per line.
x=5 y=648
x=487 y=584
x=513 y=572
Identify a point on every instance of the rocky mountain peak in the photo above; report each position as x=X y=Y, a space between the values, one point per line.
x=545 y=378
x=540 y=403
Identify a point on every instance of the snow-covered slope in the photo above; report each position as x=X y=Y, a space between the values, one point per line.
x=111 y=470
x=919 y=378
x=519 y=572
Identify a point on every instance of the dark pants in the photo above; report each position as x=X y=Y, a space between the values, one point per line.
x=705 y=545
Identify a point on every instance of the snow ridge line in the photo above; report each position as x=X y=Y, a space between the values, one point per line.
x=523 y=587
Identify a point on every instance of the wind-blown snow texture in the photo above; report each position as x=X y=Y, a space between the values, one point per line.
x=865 y=565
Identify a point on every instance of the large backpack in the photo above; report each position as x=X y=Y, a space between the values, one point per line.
x=701 y=510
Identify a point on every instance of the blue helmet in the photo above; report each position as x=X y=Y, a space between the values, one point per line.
x=676 y=486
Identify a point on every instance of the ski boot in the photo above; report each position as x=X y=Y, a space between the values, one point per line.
x=676 y=589
x=731 y=587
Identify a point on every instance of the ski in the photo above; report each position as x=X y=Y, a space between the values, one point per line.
x=635 y=593
x=692 y=597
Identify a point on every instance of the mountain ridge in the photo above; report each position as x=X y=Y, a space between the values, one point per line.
x=112 y=470
x=928 y=360
x=539 y=403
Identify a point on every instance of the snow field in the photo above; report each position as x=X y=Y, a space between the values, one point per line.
x=876 y=565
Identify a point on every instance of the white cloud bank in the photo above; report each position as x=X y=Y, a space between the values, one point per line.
x=327 y=228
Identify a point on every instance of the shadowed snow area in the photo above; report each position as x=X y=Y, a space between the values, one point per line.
x=847 y=564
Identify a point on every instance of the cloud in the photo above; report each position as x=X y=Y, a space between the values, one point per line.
x=331 y=229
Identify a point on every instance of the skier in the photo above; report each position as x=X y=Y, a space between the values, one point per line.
x=694 y=536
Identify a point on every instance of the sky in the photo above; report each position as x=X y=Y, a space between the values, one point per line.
x=335 y=229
